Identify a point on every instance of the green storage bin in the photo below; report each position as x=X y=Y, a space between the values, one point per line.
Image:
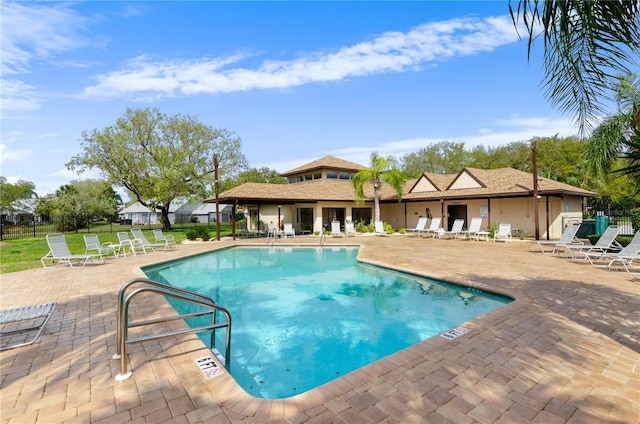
x=602 y=222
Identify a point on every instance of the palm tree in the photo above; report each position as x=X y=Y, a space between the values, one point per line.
x=379 y=173
x=587 y=43
x=618 y=136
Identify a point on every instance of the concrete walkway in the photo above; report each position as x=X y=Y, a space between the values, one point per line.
x=566 y=350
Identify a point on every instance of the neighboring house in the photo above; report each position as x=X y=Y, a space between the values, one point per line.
x=23 y=211
x=321 y=191
x=138 y=214
x=180 y=212
x=206 y=213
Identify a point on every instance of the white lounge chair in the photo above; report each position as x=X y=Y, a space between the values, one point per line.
x=146 y=244
x=606 y=243
x=434 y=227
x=59 y=252
x=288 y=230
x=568 y=238
x=124 y=243
x=474 y=227
x=379 y=229
x=167 y=239
x=503 y=233
x=420 y=227
x=456 y=229
x=35 y=317
x=92 y=242
x=628 y=254
x=335 y=229
x=349 y=229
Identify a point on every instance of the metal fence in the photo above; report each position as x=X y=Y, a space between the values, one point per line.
x=619 y=217
x=31 y=229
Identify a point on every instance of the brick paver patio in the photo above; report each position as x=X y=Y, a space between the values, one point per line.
x=566 y=350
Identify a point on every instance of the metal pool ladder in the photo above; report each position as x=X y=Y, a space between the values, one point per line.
x=146 y=286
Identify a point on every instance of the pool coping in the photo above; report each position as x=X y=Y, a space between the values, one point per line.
x=566 y=349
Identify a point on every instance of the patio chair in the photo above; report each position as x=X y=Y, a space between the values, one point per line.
x=628 y=254
x=606 y=243
x=456 y=229
x=379 y=229
x=287 y=230
x=474 y=228
x=92 y=242
x=434 y=226
x=503 y=233
x=23 y=320
x=168 y=239
x=125 y=242
x=335 y=229
x=420 y=227
x=59 y=252
x=349 y=229
x=568 y=238
x=146 y=244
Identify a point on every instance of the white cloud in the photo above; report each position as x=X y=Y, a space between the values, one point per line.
x=10 y=155
x=18 y=97
x=32 y=33
x=90 y=174
x=390 y=52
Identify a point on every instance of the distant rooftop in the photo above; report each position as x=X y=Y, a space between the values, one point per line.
x=327 y=162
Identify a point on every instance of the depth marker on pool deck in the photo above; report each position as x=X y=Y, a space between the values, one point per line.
x=208 y=367
x=455 y=332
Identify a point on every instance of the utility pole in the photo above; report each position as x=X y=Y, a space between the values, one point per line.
x=534 y=164
x=215 y=174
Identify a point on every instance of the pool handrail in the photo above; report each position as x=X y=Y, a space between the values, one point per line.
x=122 y=321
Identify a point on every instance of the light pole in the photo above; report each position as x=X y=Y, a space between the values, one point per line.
x=534 y=165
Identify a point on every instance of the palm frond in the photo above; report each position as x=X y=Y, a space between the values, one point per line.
x=587 y=44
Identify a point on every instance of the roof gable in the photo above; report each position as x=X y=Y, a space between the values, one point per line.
x=465 y=180
x=423 y=185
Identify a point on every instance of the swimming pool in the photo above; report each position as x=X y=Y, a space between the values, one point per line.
x=305 y=316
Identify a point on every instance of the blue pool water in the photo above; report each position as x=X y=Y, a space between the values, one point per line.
x=304 y=316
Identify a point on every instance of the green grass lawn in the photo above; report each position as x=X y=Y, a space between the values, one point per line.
x=22 y=254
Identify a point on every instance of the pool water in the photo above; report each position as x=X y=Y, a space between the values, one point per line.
x=304 y=316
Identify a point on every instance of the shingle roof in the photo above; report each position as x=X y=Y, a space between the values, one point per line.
x=503 y=182
x=327 y=162
x=315 y=190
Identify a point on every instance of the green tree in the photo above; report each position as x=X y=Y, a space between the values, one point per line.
x=445 y=157
x=587 y=43
x=255 y=175
x=379 y=173
x=79 y=202
x=159 y=158
x=11 y=193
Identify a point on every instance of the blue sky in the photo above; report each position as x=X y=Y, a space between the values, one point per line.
x=295 y=80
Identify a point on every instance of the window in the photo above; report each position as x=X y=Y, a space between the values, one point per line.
x=345 y=176
x=361 y=215
x=317 y=175
x=332 y=175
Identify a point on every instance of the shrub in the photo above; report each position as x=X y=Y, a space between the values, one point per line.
x=635 y=219
x=493 y=228
x=197 y=232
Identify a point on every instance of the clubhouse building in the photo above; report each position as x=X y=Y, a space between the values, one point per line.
x=322 y=191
